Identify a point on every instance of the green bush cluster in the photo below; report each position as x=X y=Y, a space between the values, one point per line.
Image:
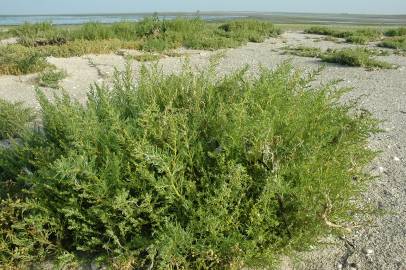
x=357 y=36
x=396 y=32
x=14 y=119
x=398 y=43
x=183 y=171
x=357 y=57
x=303 y=51
x=18 y=59
x=152 y=34
x=51 y=78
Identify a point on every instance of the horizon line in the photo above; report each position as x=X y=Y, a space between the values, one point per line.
x=202 y=12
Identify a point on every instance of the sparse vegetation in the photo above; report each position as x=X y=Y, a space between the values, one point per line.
x=396 y=32
x=38 y=41
x=303 y=51
x=146 y=57
x=357 y=57
x=51 y=78
x=17 y=60
x=183 y=172
x=14 y=119
x=358 y=36
x=398 y=43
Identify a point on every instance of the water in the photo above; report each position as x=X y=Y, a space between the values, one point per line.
x=109 y=18
x=277 y=17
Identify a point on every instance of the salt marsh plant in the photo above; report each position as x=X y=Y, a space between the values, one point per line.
x=184 y=171
x=51 y=78
x=14 y=119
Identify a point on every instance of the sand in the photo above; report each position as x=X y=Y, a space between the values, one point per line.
x=379 y=243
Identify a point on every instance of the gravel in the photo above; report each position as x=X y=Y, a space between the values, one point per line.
x=380 y=242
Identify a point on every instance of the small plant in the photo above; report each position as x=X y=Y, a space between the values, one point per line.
x=183 y=171
x=398 y=43
x=14 y=119
x=147 y=57
x=51 y=78
x=358 y=36
x=354 y=57
x=17 y=60
x=303 y=51
x=401 y=31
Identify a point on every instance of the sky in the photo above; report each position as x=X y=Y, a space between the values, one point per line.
x=11 y=7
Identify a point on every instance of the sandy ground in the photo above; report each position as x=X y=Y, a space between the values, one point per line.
x=378 y=244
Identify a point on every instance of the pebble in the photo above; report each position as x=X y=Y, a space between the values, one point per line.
x=381 y=169
x=368 y=251
x=339 y=266
x=396 y=159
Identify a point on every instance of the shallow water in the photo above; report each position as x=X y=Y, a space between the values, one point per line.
x=277 y=17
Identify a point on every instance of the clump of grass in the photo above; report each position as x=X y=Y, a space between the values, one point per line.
x=40 y=34
x=398 y=43
x=396 y=32
x=83 y=47
x=5 y=33
x=357 y=57
x=17 y=60
x=183 y=171
x=151 y=35
x=358 y=36
x=303 y=51
x=147 y=57
x=14 y=119
x=51 y=78
x=154 y=34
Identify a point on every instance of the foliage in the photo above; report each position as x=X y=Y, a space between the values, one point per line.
x=398 y=43
x=17 y=60
x=147 y=57
x=357 y=36
x=183 y=171
x=357 y=57
x=51 y=78
x=303 y=51
x=38 y=41
x=396 y=32
x=14 y=119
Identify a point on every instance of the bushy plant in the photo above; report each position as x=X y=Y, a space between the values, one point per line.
x=401 y=31
x=184 y=171
x=357 y=36
x=51 y=78
x=398 y=43
x=303 y=51
x=17 y=60
x=14 y=119
x=357 y=57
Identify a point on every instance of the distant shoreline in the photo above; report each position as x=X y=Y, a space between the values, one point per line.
x=276 y=17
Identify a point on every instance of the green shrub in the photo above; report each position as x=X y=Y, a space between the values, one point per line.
x=147 y=57
x=398 y=43
x=303 y=51
x=357 y=36
x=401 y=31
x=14 y=119
x=51 y=78
x=184 y=171
x=17 y=60
x=357 y=57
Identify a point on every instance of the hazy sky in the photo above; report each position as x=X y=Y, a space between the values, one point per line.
x=133 y=6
